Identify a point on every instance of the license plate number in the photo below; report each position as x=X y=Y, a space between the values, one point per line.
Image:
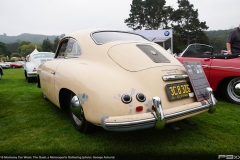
x=178 y=91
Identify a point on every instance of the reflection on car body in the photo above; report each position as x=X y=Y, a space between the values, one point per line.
x=118 y=80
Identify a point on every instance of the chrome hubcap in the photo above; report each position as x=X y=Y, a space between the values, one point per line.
x=233 y=90
x=77 y=111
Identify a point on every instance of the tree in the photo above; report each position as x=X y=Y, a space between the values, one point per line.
x=29 y=48
x=187 y=27
x=13 y=47
x=21 y=44
x=4 y=49
x=147 y=14
x=15 y=55
x=47 y=45
x=55 y=44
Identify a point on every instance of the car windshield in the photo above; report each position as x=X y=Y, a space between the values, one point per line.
x=109 y=36
x=43 y=55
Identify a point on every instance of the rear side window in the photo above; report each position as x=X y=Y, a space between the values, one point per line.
x=69 y=48
x=109 y=36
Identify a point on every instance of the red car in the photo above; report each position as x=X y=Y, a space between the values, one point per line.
x=222 y=71
x=16 y=65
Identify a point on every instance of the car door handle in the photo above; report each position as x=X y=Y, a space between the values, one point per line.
x=53 y=72
x=205 y=66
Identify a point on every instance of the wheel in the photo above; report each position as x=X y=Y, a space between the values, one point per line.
x=77 y=115
x=231 y=90
x=44 y=97
x=29 y=79
x=0 y=76
x=13 y=66
x=25 y=74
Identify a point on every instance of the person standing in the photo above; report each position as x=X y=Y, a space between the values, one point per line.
x=233 y=41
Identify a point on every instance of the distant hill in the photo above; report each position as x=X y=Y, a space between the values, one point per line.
x=34 y=38
x=217 y=38
x=218 y=33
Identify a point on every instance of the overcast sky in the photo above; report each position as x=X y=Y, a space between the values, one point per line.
x=56 y=17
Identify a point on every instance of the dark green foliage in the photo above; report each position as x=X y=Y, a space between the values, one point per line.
x=4 y=49
x=28 y=48
x=55 y=44
x=13 y=47
x=47 y=46
x=187 y=27
x=15 y=55
x=152 y=14
x=147 y=14
x=217 y=39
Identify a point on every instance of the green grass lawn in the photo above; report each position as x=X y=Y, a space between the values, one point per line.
x=30 y=125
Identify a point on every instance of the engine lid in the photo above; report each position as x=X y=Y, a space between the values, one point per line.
x=136 y=57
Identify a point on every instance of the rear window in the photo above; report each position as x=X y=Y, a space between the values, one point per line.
x=109 y=36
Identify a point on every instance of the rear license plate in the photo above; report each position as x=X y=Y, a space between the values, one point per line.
x=178 y=91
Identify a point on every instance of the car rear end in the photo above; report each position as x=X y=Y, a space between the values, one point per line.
x=163 y=82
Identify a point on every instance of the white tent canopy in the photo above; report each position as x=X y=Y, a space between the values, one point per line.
x=35 y=50
x=157 y=35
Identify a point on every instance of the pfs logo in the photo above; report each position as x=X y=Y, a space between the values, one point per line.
x=166 y=33
x=228 y=157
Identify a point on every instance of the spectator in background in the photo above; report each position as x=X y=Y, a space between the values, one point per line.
x=233 y=41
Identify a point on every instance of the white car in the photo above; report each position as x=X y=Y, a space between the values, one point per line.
x=4 y=65
x=33 y=60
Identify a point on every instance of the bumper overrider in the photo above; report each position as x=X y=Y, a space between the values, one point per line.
x=157 y=118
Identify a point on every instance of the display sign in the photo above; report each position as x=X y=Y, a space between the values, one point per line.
x=198 y=79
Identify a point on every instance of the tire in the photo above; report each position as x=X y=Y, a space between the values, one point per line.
x=44 y=97
x=77 y=116
x=25 y=74
x=13 y=66
x=29 y=79
x=0 y=76
x=230 y=91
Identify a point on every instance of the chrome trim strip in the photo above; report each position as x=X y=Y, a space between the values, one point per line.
x=129 y=126
x=186 y=112
x=138 y=122
x=174 y=77
x=98 y=31
x=225 y=67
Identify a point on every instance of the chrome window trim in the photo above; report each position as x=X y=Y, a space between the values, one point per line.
x=91 y=35
x=67 y=57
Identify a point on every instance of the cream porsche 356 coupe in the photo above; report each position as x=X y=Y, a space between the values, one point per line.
x=119 y=80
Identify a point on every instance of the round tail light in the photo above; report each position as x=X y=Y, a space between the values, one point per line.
x=126 y=98
x=141 y=97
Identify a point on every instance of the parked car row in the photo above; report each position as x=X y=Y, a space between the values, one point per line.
x=18 y=64
x=4 y=65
